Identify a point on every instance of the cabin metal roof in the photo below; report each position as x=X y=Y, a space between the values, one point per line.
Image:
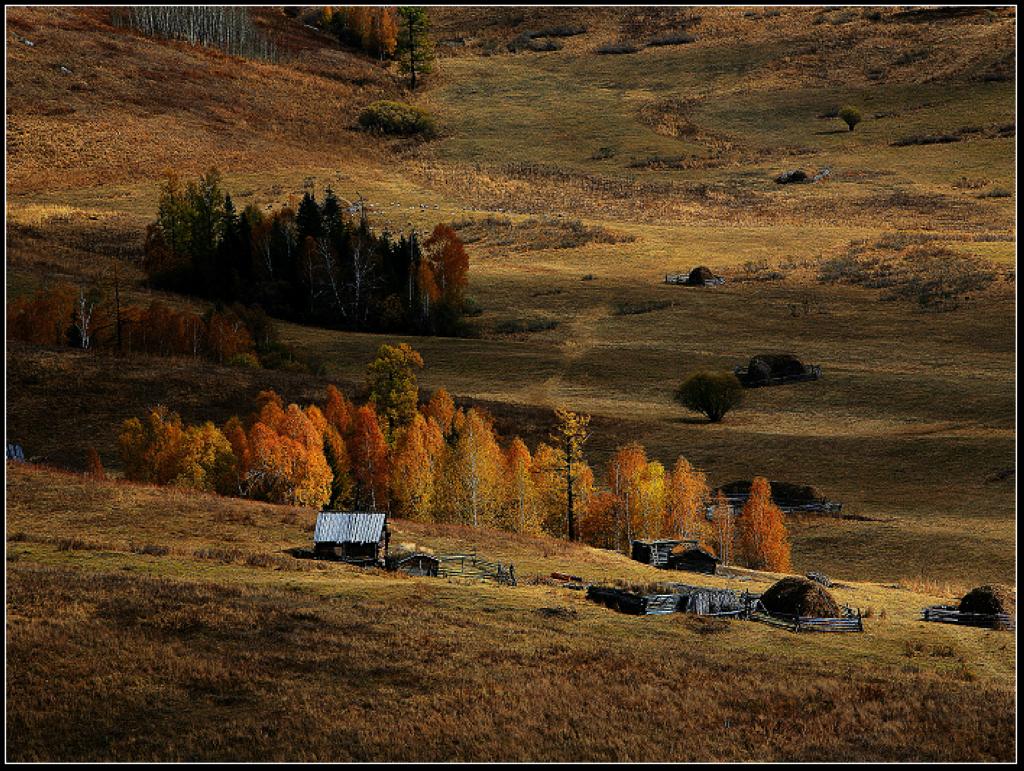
x=349 y=527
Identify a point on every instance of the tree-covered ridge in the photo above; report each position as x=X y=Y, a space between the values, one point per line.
x=318 y=264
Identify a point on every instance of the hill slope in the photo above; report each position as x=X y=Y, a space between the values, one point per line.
x=181 y=630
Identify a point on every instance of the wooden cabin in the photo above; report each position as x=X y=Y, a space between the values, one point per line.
x=352 y=536
x=656 y=552
x=694 y=559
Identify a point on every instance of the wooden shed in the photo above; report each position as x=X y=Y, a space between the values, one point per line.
x=656 y=552
x=694 y=559
x=352 y=536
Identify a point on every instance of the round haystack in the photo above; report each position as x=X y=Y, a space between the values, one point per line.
x=778 y=364
x=990 y=599
x=699 y=276
x=795 y=596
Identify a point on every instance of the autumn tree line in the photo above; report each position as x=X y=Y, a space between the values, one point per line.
x=437 y=462
x=63 y=314
x=318 y=263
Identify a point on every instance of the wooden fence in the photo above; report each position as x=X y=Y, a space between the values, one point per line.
x=811 y=372
x=472 y=567
x=809 y=623
x=946 y=614
x=707 y=601
x=819 y=507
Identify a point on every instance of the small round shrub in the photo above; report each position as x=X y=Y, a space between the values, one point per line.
x=712 y=393
x=850 y=116
x=397 y=119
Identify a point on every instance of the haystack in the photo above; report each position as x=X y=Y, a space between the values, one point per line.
x=989 y=599
x=795 y=596
x=700 y=276
x=777 y=364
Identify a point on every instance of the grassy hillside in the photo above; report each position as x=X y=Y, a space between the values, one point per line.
x=226 y=648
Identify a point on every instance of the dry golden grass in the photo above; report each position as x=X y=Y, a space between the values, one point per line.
x=130 y=107
x=189 y=656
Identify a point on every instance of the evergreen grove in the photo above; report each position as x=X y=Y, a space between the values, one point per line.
x=318 y=264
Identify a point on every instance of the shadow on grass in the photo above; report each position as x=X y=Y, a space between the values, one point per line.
x=691 y=420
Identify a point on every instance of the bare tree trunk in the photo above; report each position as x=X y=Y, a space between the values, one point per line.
x=83 y=319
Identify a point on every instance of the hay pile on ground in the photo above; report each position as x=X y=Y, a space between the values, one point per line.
x=700 y=276
x=795 y=596
x=989 y=599
x=776 y=365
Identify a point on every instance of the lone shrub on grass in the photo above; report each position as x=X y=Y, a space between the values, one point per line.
x=712 y=393
x=397 y=119
x=850 y=116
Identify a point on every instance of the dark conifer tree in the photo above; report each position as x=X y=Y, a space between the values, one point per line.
x=308 y=218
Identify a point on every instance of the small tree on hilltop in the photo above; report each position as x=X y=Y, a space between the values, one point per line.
x=712 y=393
x=850 y=116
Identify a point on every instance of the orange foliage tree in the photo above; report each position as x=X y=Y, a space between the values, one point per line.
x=598 y=522
x=763 y=541
x=338 y=411
x=522 y=514
x=44 y=317
x=441 y=408
x=369 y=452
x=446 y=266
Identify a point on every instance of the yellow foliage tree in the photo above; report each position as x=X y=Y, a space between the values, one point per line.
x=207 y=460
x=650 y=508
x=623 y=479
x=414 y=468
x=688 y=497
x=477 y=467
x=570 y=434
